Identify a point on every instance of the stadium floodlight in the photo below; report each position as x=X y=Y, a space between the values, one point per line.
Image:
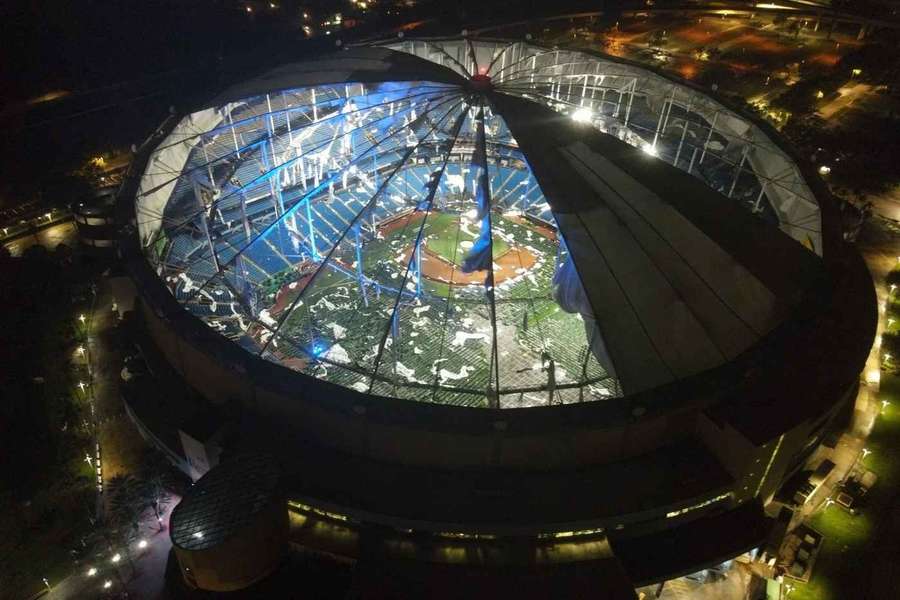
x=582 y=115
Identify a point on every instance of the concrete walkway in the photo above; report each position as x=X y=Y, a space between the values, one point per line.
x=145 y=582
x=732 y=587
x=120 y=448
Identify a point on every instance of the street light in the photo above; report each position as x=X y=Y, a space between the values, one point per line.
x=142 y=544
x=116 y=557
x=107 y=584
x=92 y=571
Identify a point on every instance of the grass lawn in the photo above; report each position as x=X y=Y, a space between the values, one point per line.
x=35 y=540
x=443 y=231
x=852 y=543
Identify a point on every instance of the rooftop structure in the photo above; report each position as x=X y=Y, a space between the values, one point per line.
x=499 y=306
x=442 y=230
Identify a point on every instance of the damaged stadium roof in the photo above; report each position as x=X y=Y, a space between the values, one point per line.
x=481 y=223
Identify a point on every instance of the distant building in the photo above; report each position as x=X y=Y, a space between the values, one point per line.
x=95 y=220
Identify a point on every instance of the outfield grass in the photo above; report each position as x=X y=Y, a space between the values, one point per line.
x=445 y=235
x=334 y=312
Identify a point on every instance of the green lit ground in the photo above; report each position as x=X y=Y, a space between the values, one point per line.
x=445 y=237
x=425 y=348
x=858 y=555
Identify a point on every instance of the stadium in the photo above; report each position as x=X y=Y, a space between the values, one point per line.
x=581 y=299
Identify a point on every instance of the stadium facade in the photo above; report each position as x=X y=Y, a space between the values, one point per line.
x=474 y=291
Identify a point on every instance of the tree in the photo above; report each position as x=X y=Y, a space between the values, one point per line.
x=148 y=488
x=159 y=478
x=127 y=499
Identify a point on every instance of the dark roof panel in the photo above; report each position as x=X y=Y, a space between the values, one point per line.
x=224 y=501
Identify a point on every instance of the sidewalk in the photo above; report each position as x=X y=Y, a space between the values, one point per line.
x=120 y=447
x=147 y=582
x=850 y=550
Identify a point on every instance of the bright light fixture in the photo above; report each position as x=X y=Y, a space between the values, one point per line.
x=582 y=115
x=92 y=571
x=107 y=584
x=142 y=544
x=650 y=149
x=116 y=557
x=824 y=170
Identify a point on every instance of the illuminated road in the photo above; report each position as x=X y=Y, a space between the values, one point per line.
x=847 y=96
x=50 y=238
